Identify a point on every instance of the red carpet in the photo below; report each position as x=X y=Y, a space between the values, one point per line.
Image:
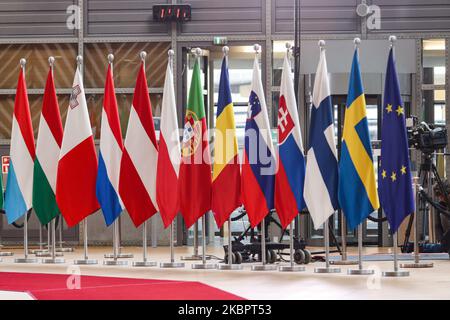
x=55 y=287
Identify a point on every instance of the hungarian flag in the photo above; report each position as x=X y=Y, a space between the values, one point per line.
x=169 y=154
x=195 y=168
x=19 y=186
x=137 y=183
x=77 y=166
x=110 y=154
x=226 y=186
x=48 y=147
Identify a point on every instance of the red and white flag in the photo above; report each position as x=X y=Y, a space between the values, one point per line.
x=137 y=183
x=77 y=166
x=169 y=154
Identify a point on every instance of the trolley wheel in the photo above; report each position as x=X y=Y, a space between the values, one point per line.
x=308 y=256
x=268 y=257
x=273 y=256
x=299 y=256
x=233 y=258
x=239 y=258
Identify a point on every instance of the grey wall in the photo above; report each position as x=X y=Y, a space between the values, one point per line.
x=32 y=18
x=118 y=17
x=413 y=15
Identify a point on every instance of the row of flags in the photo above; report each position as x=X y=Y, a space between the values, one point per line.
x=145 y=177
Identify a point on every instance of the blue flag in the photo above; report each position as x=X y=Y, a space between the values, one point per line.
x=394 y=176
x=358 y=195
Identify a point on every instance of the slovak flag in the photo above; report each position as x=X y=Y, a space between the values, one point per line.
x=290 y=177
x=111 y=147
x=19 y=187
x=137 y=184
x=259 y=164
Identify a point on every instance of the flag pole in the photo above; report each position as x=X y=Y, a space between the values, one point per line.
x=230 y=265
x=195 y=256
x=51 y=227
x=144 y=262
x=360 y=270
x=291 y=267
x=86 y=259
x=41 y=252
x=344 y=260
x=25 y=259
x=115 y=245
x=326 y=236
x=172 y=263
x=396 y=272
x=416 y=263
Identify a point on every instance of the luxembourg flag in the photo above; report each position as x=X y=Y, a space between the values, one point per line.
x=258 y=165
x=110 y=155
x=19 y=187
x=169 y=154
x=77 y=166
x=290 y=177
x=137 y=183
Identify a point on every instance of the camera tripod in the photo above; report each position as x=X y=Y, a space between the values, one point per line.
x=427 y=171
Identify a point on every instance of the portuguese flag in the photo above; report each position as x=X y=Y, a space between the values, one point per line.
x=195 y=167
x=47 y=154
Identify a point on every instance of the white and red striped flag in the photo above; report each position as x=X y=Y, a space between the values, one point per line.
x=137 y=183
x=77 y=166
x=169 y=154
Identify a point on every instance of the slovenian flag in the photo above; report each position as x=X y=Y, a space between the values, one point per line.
x=169 y=154
x=290 y=177
x=358 y=195
x=226 y=187
x=259 y=164
x=77 y=166
x=321 y=178
x=48 y=147
x=19 y=186
x=110 y=154
x=137 y=183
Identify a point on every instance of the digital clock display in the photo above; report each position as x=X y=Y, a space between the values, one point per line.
x=172 y=13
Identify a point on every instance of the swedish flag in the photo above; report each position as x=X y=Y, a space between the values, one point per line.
x=357 y=189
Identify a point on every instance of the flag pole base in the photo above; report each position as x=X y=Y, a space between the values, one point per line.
x=417 y=265
x=361 y=272
x=53 y=261
x=6 y=254
x=327 y=270
x=64 y=249
x=204 y=266
x=395 y=274
x=119 y=256
x=25 y=260
x=46 y=254
x=264 y=267
x=1 y=260
x=194 y=258
x=85 y=262
x=223 y=266
x=144 y=264
x=291 y=268
x=115 y=263
x=171 y=265
x=344 y=262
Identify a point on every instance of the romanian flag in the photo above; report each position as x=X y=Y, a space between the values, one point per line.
x=357 y=189
x=226 y=187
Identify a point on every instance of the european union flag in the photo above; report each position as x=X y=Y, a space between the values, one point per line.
x=357 y=186
x=394 y=176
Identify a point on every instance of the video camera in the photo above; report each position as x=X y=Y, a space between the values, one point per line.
x=426 y=137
